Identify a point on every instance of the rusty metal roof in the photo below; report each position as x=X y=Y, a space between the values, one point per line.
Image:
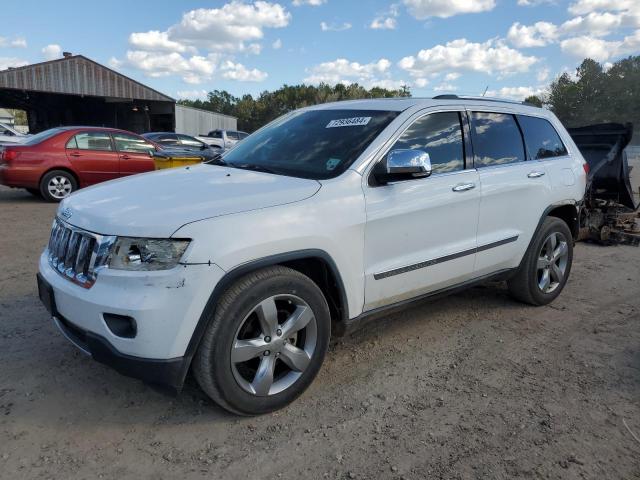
x=77 y=75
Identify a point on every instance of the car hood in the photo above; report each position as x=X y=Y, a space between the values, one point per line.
x=156 y=204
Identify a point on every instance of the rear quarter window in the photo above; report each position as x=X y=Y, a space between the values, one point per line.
x=541 y=138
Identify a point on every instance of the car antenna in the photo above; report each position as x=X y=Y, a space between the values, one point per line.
x=485 y=91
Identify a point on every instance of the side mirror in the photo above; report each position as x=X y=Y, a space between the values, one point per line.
x=403 y=164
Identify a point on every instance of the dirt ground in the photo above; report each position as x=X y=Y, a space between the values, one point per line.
x=472 y=386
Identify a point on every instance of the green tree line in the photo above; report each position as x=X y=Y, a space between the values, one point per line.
x=595 y=94
x=252 y=113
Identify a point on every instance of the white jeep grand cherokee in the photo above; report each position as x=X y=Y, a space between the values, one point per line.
x=240 y=269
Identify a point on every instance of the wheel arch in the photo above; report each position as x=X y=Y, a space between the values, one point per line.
x=314 y=263
x=63 y=169
x=568 y=213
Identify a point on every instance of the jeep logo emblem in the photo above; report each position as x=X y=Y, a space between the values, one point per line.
x=66 y=213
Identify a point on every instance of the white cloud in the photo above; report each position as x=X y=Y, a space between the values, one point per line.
x=277 y=45
x=422 y=9
x=334 y=27
x=585 y=6
x=445 y=87
x=18 y=42
x=237 y=71
x=386 y=20
x=380 y=23
x=155 y=40
x=194 y=69
x=346 y=72
x=599 y=49
x=52 y=52
x=226 y=29
x=421 y=82
x=533 y=3
x=599 y=24
x=450 y=77
x=542 y=74
x=192 y=94
x=313 y=3
x=536 y=35
x=516 y=93
x=12 y=62
x=491 y=57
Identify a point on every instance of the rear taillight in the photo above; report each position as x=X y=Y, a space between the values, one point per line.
x=585 y=165
x=8 y=155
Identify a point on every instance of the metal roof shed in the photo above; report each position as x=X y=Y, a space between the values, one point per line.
x=75 y=90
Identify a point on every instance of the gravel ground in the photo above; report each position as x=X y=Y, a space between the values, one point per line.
x=472 y=386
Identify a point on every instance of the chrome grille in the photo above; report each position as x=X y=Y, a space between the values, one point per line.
x=77 y=254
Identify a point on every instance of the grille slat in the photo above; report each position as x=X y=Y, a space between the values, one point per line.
x=71 y=251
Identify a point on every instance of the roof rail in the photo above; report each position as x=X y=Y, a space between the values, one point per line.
x=450 y=96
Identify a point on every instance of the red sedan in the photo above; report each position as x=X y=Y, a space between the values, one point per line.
x=56 y=162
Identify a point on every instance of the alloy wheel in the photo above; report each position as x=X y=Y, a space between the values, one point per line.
x=59 y=187
x=274 y=345
x=552 y=262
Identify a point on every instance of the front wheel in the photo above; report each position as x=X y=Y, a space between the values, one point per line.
x=546 y=265
x=265 y=343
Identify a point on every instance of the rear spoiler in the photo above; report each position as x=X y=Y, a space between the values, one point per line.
x=602 y=146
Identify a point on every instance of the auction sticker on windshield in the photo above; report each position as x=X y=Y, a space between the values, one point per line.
x=348 y=122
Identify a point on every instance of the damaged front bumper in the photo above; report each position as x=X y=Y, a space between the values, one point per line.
x=164 y=306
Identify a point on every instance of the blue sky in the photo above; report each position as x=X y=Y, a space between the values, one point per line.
x=186 y=48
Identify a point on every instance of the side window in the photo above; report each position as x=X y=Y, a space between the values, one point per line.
x=215 y=134
x=243 y=135
x=541 y=138
x=91 y=141
x=189 y=141
x=496 y=139
x=439 y=135
x=131 y=143
x=232 y=135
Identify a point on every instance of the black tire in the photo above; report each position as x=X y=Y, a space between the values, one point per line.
x=212 y=364
x=34 y=191
x=64 y=176
x=525 y=285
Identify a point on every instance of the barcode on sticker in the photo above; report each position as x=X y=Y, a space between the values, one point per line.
x=348 y=122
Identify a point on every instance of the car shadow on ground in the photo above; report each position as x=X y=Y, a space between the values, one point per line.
x=58 y=378
x=19 y=195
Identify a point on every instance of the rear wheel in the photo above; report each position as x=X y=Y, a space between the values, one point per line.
x=56 y=185
x=265 y=343
x=546 y=266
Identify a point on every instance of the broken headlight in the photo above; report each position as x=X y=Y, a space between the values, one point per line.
x=146 y=253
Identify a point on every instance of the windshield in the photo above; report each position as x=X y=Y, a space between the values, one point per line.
x=315 y=144
x=42 y=136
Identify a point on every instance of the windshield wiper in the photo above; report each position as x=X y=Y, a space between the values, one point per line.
x=254 y=167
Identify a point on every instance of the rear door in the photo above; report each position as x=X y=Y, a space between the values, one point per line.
x=420 y=234
x=93 y=156
x=515 y=192
x=134 y=154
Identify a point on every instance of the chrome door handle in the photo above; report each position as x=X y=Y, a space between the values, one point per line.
x=463 y=187
x=535 y=174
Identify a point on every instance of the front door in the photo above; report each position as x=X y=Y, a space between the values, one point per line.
x=134 y=153
x=420 y=234
x=92 y=155
x=515 y=191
